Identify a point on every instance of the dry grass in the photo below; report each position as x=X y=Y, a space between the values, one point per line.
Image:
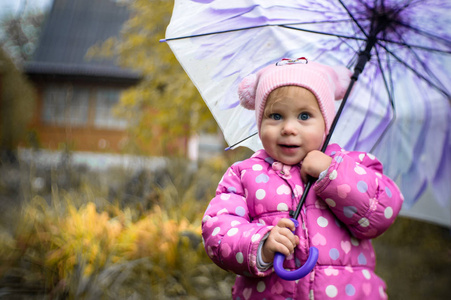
x=66 y=233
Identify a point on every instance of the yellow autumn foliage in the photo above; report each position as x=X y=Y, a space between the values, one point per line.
x=83 y=242
x=98 y=238
x=165 y=106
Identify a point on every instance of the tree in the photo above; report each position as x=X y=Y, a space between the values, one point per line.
x=165 y=103
x=16 y=106
x=20 y=34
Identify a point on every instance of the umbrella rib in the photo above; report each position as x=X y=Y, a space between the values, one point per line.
x=261 y=26
x=430 y=73
x=388 y=87
x=319 y=22
x=323 y=33
x=425 y=67
x=353 y=18
x=432 y=36
x=215 y=32
x=288 y=26
x=414 y=71
x=356 y=21
x=415 y=46
x=390 y=97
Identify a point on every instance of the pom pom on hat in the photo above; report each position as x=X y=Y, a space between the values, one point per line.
x=343 y=80
x=325 y=82
x=246 y=91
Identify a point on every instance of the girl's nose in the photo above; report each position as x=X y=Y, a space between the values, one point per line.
x=290 y=127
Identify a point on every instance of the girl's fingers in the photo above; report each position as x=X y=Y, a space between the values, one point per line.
x=284 y=237
x=283 y=246
x=286 y=223
x=281 y=239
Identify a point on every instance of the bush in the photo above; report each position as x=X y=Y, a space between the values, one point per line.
x=78 y=244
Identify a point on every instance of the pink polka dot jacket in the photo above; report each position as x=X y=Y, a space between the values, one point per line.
x=353 y=203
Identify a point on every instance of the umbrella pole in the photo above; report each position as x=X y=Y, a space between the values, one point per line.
x=364 y=57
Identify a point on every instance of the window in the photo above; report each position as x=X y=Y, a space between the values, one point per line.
x=106 y=100
x=66 y=106
x=81 y=106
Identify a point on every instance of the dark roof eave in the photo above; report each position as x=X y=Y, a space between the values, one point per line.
x=94 y=73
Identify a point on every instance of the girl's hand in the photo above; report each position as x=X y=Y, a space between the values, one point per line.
x=314 y=163
x=281 y=239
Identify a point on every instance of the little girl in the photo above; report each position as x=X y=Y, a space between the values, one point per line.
x=247 y=221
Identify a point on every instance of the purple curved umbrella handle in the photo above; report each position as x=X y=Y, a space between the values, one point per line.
x=279 y=258
x=299 y=273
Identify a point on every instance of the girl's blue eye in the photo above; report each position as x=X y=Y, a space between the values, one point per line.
x=304 y=116
x=276 y=117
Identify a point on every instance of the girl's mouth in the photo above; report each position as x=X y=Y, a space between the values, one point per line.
x=289 y=149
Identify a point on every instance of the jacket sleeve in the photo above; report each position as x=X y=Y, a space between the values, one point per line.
x=359 y=194
x=230 y=238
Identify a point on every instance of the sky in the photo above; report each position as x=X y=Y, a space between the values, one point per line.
x=13 y=6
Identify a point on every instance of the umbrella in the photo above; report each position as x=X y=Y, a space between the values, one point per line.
x=399 y=51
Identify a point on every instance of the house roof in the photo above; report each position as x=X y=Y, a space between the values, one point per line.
x=72 y=27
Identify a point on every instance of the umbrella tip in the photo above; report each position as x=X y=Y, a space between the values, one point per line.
x=227 y=149
x=163 y=40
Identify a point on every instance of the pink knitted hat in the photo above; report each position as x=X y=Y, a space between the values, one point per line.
x=325 y=82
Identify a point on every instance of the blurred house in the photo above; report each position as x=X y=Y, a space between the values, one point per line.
x=75 y=94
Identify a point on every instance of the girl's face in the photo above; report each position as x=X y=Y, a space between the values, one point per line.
x=292 y=124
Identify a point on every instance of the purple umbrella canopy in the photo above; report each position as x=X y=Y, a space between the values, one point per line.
x=399 y=108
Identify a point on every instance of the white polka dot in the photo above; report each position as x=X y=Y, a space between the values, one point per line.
x=364 y=222
x=331 y=202
x=206 y=218
x=261 y=287
x=361 y=156
x=322 y=222
x=223 y=211
x=255 y=237
x=382 y=292
x=239 y=257
x=282 y=207
x=371 y=156
x=388 y=212
x=235 y=223
x=257 y=167
x=333 y=175
x=232 y=232
x=359 y=170
x=366 y=274
x=225 y=197
x=215 y=231
x=260 y=194
x=331 y=291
